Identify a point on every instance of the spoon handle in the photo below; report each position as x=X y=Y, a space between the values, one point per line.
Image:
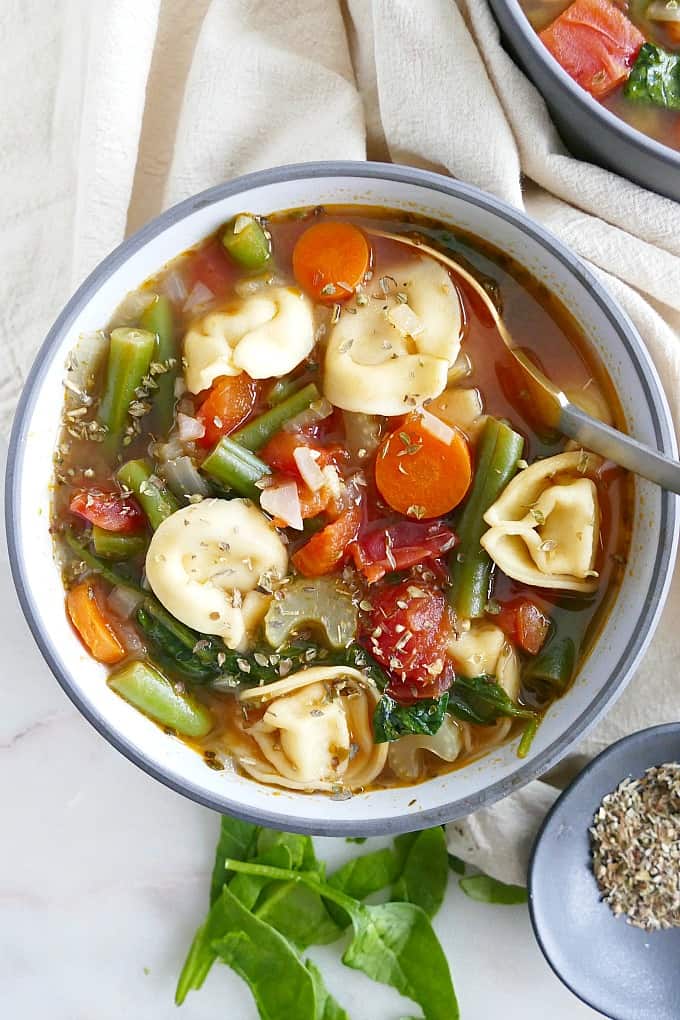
x=628 y=453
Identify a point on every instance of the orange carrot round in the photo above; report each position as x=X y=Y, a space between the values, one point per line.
x=330 y=259
x=419 y=474
x=92 y=625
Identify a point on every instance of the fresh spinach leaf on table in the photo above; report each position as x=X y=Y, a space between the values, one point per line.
x=326 y=1006
x=237 y=839
x=489 y=890
x=425 y=870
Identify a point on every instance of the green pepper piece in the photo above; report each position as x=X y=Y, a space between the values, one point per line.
x=114 y=546
x=166 y=703
x=251 y=247
x=130 y=354
x=156 y=501
x=320 y=604
x=158 y=318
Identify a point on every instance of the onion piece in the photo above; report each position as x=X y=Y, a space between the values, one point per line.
x=437 y=428
x=167 y=451
x=283 y=501
x=189 y=428
x=83 y=364
x=131 y=307
x=200 y=295
x=406 y=755
x=306 y=461
x=405 y=320
x=317 y=411
x=254 y=284
x=363 y=433
x=175 y=288
x=460 y=369
x=183 y=478
x=664 y=10
x=123 y=601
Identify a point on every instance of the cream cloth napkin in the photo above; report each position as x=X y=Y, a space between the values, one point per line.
x=114 y=109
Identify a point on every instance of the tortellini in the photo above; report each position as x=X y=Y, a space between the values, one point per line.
x=203 y=561
x=483 y=649
x=264 y=334
x=394 y=351
x=316 y=731
x=545 y=527
x=406 y=755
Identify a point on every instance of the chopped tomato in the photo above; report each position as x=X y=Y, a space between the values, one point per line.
x=407 y=630
x=595 y=43
x=383 y=548
x=524 y=623
x=279 y=453
x=327 y=549
x=92 y=623
x=109 y=510
x=212 y=267
x=418 y=473
x=229 y=402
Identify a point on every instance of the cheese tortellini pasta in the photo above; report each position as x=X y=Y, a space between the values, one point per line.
x=545 y=527
x=205 y=561
x=483 y=649
x=406 y=756
x=394 y=351
x=315 y=733
x=264 y=334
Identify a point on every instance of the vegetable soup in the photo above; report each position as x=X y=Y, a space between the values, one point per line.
x=625 y=53
x=308 y=514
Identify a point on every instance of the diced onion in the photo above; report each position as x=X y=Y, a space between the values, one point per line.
x=254 y=284
x=200 y=295
x=123 y=601
x=131 y=307
x=189 y=428
x=306 y=460
x=175 y=288
x=405 y=320
x=167 y=451
x=363 y=433
x=282 y=501
x=180 y=387
x=460 y=369
x=184 y=478
x=437 y=428
x=317 y=411
x=241 y=222
x=84 y=362
x=661 y=10
x=331 y=479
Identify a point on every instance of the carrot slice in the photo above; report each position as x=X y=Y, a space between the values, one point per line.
x=92 y=625
x=419 y=474
x=330 y=259
x=326 y=550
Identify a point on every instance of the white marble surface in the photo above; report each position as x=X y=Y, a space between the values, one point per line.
x=104 y=876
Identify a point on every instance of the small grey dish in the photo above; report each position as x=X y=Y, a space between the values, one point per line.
x=588 y=129
x=622 y=971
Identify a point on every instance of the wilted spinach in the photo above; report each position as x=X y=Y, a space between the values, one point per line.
x=392 y=720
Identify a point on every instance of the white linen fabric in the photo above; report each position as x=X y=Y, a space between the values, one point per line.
x=114 y=109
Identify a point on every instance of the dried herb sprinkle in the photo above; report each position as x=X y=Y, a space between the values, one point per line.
x=635 y=841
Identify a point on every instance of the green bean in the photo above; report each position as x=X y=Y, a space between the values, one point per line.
x=158 y=318
x=260 y=430
x=251 y=247
x=498 y=452
x=113 y=545
x=168 y=704
x=156 y=501
x=281 y=390
x=527 y=737
x=130 y=354
x=95 y=564
x=554 y=666
x=236 y=467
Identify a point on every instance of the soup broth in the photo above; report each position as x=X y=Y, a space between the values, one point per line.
x=308 y=512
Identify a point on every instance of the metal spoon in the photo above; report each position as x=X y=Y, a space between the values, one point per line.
x=554 y=405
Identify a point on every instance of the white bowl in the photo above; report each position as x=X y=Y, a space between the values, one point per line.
x=628 y=628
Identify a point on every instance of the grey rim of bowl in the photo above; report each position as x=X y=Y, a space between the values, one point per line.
x=651 y=731
x=641 y=633
x=514 y=12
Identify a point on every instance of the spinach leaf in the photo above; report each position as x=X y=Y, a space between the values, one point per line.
x=479 y=699
x=456 y=864
x=361 y=877
x=247 y=888
x=326 y=1006
x=282 y=986
x=425 y=873
x=392 y=720
x=392 y=943
x=489 y=890
x=298 y=913
x=356 y=839
x=237 y=840
x=655 y=78
x=297 y=845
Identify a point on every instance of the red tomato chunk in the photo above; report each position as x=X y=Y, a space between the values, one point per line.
x=595 y=43
x=407 y=630
x=109 y=510
x=524 y=624
x=383 y=548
